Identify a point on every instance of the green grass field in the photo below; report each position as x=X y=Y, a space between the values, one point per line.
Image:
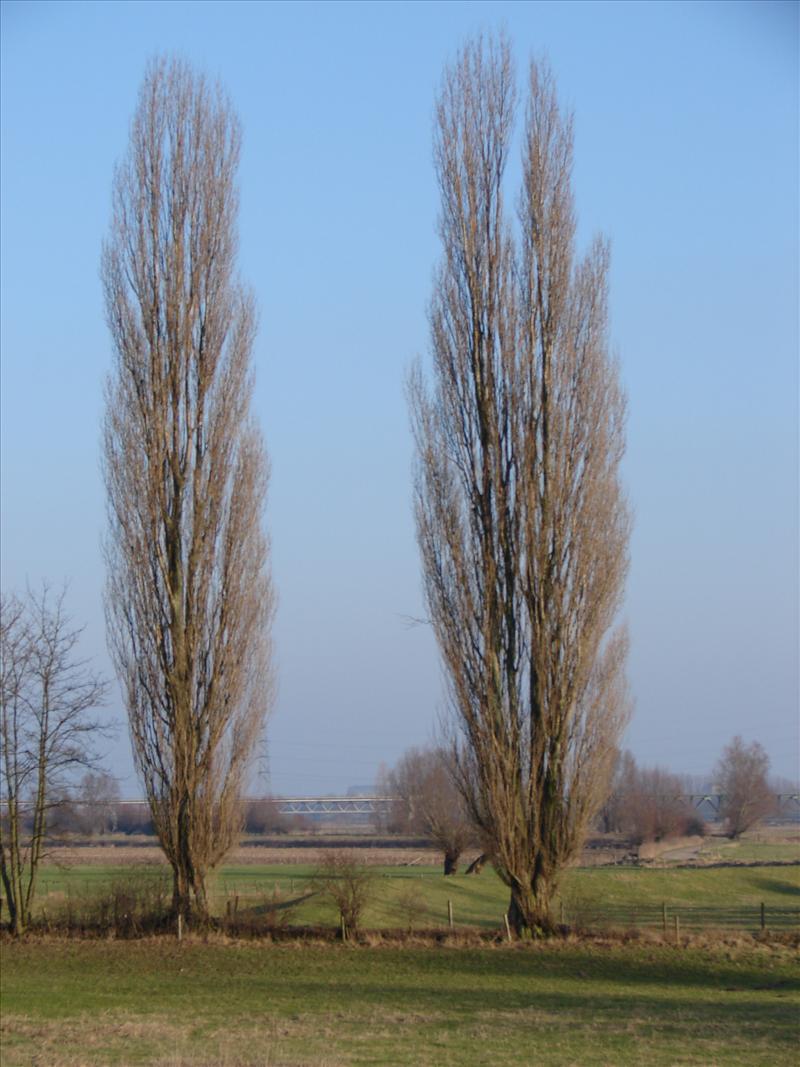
x=70 y=1003
x=223 y=1001
x=712 y=898
x=755 y=847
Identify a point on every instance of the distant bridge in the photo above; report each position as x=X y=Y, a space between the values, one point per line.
x=785 y=803
x=330 y=805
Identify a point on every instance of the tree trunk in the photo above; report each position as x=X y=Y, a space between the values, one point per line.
x=12 y=874
x=478 y=863
x=529 y=912
x=189 y=897
x=451 y=862
x=15 y=922
x=16 y=903
x=181 y=893
x=200 y=897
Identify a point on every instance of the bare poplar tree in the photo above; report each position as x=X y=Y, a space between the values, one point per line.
x=46 y=732
x=521 y=519
x=189 y=598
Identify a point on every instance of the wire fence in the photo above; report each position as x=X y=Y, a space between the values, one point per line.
x=584 y=912
x=752 y=916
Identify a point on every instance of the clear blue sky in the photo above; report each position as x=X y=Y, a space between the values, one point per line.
x=686 y=156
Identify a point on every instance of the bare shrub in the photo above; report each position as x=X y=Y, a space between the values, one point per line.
x=413 y=907
x=134 y=818
x=263 y=816
x=128 y=906
x=136 y=904
x=580 y=909
x=648 y=804
x=694 y=825
x=349 y=885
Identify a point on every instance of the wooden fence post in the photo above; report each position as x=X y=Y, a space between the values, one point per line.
x=677 y=930
x=180 y=926
x=763 y=917
x=664 y=917
x=508 y=928
x=450 y=913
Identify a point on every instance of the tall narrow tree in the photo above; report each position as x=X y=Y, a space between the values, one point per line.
x=189 y=599
x=521 y=519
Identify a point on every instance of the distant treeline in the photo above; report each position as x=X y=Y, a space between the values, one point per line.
x=98 y=816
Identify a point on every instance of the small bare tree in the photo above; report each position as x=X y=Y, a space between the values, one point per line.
x=429 y=802
x=96 y=802
x=649 y=805
x=521 y=520
x=46 y=732
x=189 y=598
x=741 y=775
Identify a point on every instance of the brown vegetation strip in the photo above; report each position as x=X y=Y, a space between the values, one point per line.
x=244 y=856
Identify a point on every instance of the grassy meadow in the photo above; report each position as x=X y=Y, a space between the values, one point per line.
x=154 y=1001
x=724 y=898
x=722 y=992
x=757 y=846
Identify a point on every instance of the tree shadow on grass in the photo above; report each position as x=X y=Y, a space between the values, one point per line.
x=278 y=904
x=777 y=885
x=770 y=1014
x=659 y=966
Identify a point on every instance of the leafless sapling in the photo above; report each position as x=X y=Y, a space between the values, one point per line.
x=47 y=731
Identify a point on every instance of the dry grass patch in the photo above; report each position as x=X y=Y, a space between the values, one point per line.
x=133 y=1041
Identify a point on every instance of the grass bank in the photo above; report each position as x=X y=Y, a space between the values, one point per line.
x=157 y=1002
x=417 y=897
